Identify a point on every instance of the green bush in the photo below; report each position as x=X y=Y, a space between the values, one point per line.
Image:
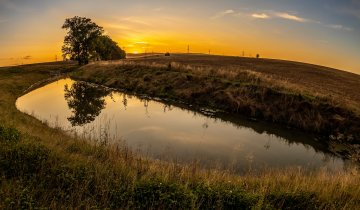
x=9 y=134
x=26 y=200
x=297 y=200
x=223 y=197
x=156 y=194
x=120 y=196
x=22 y=159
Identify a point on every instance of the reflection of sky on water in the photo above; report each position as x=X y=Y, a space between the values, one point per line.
x=168 y=132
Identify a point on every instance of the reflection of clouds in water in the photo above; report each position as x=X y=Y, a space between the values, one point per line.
x=183 y=131
x=239 y=147
x=250 y=157
x=148 y=129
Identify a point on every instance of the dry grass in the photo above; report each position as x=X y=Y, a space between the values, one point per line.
x=339 y=86
x=73 y=173
x=259 y=90
x=343 y=86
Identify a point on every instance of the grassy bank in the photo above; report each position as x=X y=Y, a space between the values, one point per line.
x=41 y=167
x=246 y=92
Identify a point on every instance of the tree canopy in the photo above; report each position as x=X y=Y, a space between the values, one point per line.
x=106 y=49
x=85 y=40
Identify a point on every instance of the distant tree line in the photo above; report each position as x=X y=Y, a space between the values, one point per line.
x=85 y=41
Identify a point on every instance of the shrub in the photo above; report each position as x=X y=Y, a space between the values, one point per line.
x=155 y=194
x=9 y=134
x=15 y=69
x=223 y=197
x=169 y=67
x=147 y=78
x=22 y=159
x=189 y=77
x=297 y=200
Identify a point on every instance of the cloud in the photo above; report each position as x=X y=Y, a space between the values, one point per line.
x=223 y=13
x=6 y=59
x=266 y=14
x=136 y=20
x=159 y=9
x=339 y=27
x=260 y=16
x=288 y=16
x=28 y=57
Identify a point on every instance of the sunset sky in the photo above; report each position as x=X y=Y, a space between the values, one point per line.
x=325 y=32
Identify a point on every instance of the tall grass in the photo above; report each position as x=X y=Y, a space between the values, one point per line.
x=42 y=167
x=232 y=73
x=83 y=175
x=235 y=90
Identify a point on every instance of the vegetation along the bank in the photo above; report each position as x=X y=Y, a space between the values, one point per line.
x=42 y=167
x=242 y=87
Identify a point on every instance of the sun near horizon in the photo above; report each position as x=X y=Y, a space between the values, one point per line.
x=322 y=32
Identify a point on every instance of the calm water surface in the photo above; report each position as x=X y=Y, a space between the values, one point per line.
x=172 y=133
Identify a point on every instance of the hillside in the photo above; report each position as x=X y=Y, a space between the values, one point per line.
x=312 y=98
x=343 y=86
x=45 y=168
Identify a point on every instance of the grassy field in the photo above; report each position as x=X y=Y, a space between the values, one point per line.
x=41 y=167
x=343 y=86
x=303 y=96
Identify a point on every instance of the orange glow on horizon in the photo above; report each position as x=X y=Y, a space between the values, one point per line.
x=160 y=34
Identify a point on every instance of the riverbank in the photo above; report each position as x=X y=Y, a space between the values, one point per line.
x=234 y=89
x=46 y=168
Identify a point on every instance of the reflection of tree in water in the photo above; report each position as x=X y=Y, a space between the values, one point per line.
x=167 y=107
x=146 y=105
x=267 y=145
x=205 y=125
x=86 y=102
x=125 y=101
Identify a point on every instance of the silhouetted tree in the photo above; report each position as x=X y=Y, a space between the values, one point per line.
x=105 y=48
x=257 y=56
x=80 y=36
x=86 y=102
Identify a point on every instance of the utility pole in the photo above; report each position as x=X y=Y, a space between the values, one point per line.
x=146 y=48
x=55 y=57
x=209 y=52
x=243 y=55
x=188 y=49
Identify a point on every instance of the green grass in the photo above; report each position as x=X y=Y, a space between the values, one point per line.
x=42 y=167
